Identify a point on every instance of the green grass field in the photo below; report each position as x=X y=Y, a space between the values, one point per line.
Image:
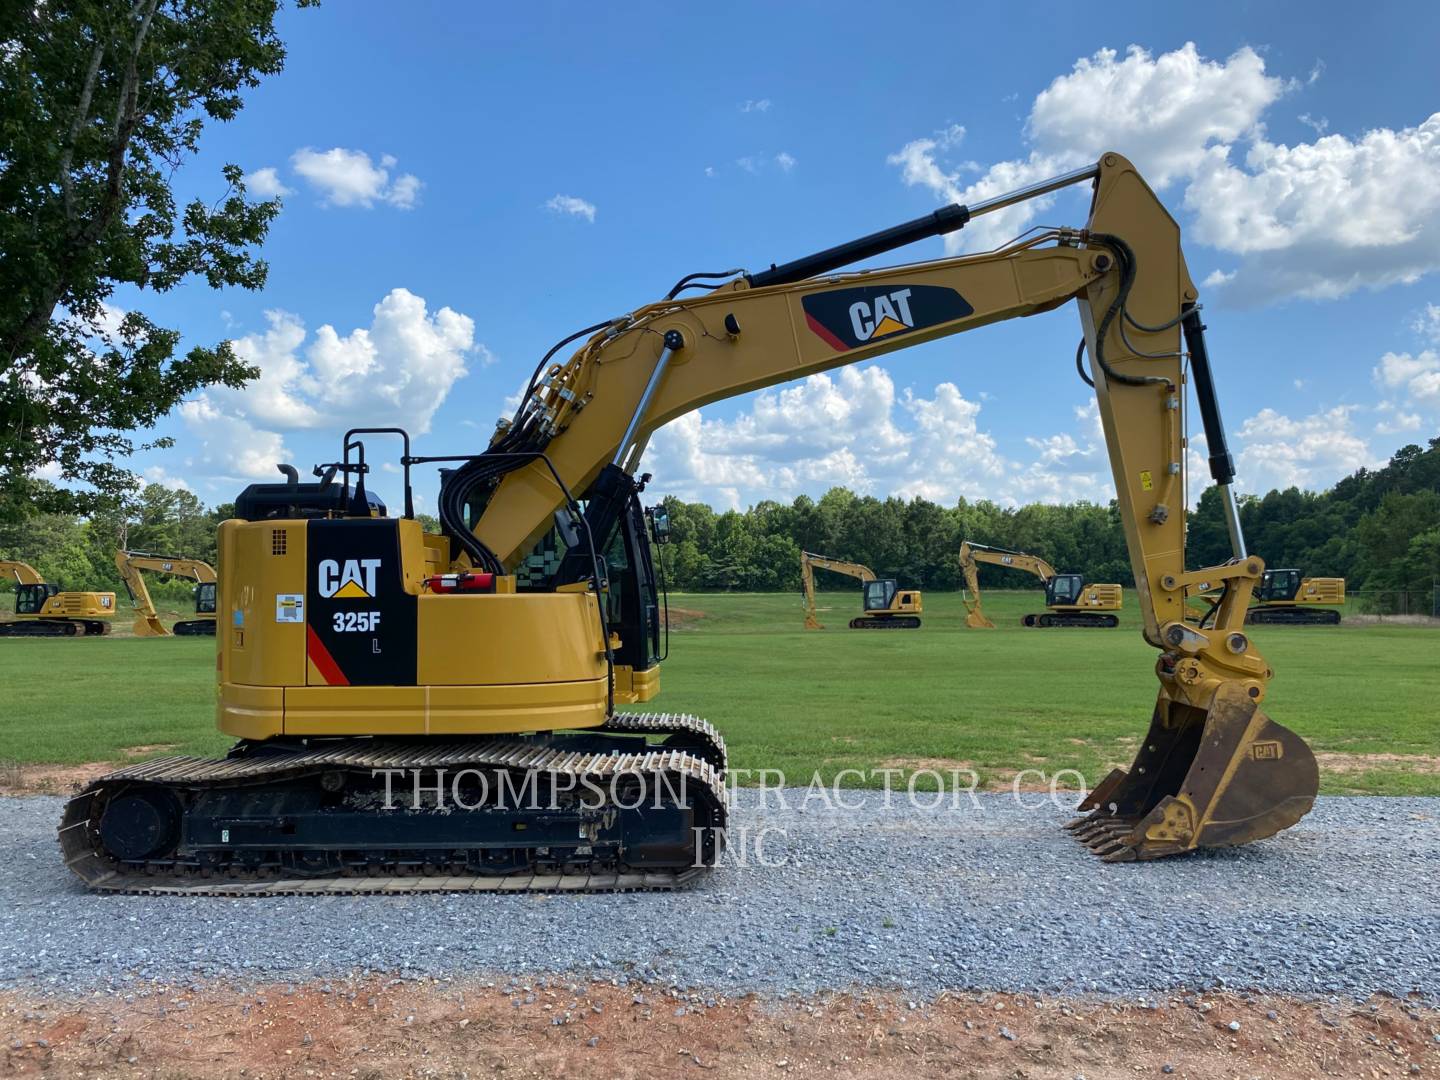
x=998 y=701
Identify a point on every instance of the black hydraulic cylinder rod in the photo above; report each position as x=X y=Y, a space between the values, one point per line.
x=945 y=220
x=1222 y=465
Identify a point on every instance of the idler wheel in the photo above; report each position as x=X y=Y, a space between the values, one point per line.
x=140 y=824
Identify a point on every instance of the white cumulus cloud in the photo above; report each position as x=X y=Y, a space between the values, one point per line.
x=395 y=372
x=1278 y=451
x=1315 y=219
x=573 y=205
x=851 y=428
x=226 y=446
x=1161 y=111
x=1322 y=219
x=349 y=178
x=1415 y=378
x=1427 y=323
x=265 y=183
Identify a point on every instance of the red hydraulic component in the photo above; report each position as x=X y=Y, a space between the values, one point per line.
x=461 y=583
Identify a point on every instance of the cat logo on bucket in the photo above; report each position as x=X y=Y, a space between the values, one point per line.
x=353 y=579
x=1269 y=750
x=845 y=319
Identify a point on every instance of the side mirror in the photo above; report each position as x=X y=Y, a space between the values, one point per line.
x=568 y=528
x=659 y=524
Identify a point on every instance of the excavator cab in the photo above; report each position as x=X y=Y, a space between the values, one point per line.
x=31 y=599
x=888 y=606
x=878 y=596
x=205 y=598
x=1063 y=590
x=1278 y=585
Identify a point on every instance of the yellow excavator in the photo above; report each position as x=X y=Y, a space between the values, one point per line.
x=1284 y=598
x=886 y=606
x=1069 y=600
x=44 y=610
x=366 y=666
x=132 y=565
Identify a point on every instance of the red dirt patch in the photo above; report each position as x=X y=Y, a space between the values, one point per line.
x=374 y=1028
x=1331 y=761
x=64 y=779
x=50 y=779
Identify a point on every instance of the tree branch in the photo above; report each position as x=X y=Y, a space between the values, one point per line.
x=82 y=114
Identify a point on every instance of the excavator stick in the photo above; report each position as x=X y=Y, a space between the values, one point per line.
x=1215 y=778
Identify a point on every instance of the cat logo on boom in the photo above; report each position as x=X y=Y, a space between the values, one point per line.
x=888 y=314
x=354 y=580
x=846 y=319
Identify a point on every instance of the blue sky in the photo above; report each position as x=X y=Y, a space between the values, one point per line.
x=465 y=184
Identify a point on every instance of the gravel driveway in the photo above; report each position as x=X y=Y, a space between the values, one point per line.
x=987 y=897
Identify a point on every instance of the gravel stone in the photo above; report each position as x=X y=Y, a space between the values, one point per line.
x=989 y=896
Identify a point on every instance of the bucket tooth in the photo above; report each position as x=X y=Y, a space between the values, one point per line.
x=1096 y=828
x=1111 y=832
x=1106 y=847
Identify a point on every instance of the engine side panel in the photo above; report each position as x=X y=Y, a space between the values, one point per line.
x=333 y=634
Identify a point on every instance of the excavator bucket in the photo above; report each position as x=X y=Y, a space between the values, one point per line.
x=149 y=626
x=1201 y=779
x=977 y=621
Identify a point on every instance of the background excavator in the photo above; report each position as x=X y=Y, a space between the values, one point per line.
x=886 y=605
x=133 y=564
x=1071 y=602
x=359 y=652
x=44 y=610
x=1285 y=598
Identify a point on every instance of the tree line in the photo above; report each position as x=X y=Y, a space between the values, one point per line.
x=1379 y=529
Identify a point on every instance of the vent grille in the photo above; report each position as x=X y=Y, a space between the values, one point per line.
x=277 y=541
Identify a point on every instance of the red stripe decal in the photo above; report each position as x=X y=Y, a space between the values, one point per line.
x=323 y=661
x=829 y=338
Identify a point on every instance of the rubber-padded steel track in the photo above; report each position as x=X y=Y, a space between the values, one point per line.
x=1292 y=616
x=1092 y=620
x=885 y=622
x=55 y=628
x=695 y=752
